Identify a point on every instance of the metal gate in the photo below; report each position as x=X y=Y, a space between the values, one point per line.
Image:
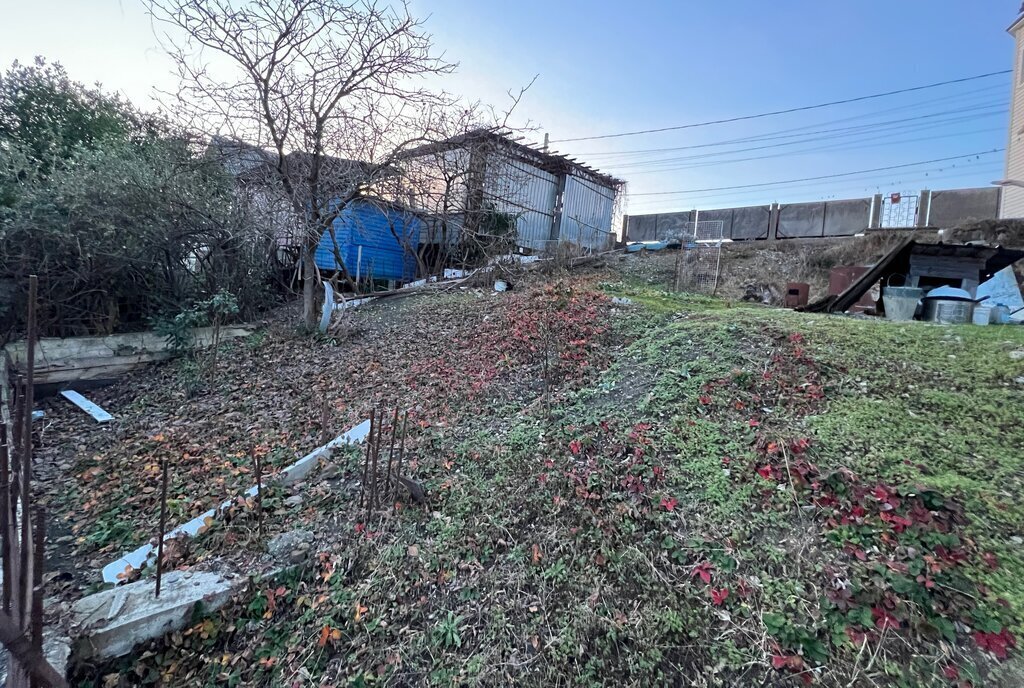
x=899 y=210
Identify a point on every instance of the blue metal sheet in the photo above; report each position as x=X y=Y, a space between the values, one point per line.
x=377 y=241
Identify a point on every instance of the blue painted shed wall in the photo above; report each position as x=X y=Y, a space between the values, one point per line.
x=383 y=256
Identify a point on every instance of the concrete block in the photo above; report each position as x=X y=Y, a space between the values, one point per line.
x=110 y=623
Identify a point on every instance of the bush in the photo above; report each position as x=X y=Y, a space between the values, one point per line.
x=121 y=219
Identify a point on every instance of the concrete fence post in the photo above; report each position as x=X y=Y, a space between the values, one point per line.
x=924 y=208
x=875 y=219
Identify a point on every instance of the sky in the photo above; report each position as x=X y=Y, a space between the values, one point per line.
x=604 y=67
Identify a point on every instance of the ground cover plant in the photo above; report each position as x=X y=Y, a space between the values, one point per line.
x=673 y=491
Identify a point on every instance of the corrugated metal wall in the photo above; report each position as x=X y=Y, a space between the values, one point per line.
x=587 y=210
x=515 y=186
x=373 y=228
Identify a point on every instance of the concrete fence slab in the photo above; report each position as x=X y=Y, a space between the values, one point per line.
x=801 y=220
x=294 y=473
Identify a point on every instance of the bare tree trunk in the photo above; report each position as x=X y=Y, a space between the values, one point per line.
x=308 y=288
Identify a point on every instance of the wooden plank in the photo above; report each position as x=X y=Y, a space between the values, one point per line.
x=98 y=414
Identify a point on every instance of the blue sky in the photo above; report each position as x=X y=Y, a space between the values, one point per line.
x=605 y=67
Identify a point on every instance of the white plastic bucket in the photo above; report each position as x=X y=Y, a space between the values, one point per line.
x=982 y=315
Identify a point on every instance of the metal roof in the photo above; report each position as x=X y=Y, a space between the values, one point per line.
x=546 y=160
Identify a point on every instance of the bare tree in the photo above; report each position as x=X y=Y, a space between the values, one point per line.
x=331 y=90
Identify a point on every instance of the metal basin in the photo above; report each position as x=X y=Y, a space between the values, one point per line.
x=948 y=311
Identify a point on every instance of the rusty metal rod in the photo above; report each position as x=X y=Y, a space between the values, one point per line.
x=38 y=552
x=325 y=419
x=19 y=647
x=391 y=453
x=376 y=455
x=363 y=492
x=258 y=469
x=401 y=453
x=5 y=514
x=27 y=397
x=163 y=525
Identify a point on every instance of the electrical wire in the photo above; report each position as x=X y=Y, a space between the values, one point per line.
x=840 y=188
x=881 y=142
x=787 y=133
x=787 y=111
x=825 y=176
x=893 y=126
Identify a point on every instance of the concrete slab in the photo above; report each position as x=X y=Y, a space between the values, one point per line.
x=301 y=468
x=110 y=623
x=97 y=413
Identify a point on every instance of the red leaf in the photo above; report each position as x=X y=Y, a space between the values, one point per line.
x=765 y=472
x=753 y=423
x=718 y=596
x=703 y=570
x=799 y=446
x=575 y=446
x=990 y=560
x=950 y=671
x=996 y=643
x=883 y=619
x=779 y=661
x=705 y=399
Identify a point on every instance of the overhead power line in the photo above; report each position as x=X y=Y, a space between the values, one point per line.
x=787 y=111
x=902 y=122
x=824 y=176
x=957 y=98
x=848 y=186
x=863 y=143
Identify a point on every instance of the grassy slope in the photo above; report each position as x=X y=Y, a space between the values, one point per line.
x=575 y=550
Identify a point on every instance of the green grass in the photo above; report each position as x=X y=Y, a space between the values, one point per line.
x=570 y=550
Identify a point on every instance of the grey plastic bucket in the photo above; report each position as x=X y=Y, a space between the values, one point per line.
x=901 y=302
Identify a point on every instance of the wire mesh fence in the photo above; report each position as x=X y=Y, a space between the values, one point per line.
x=699 y=262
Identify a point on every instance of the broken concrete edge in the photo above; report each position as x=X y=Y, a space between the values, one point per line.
x=112 y=622
x=290 y=475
